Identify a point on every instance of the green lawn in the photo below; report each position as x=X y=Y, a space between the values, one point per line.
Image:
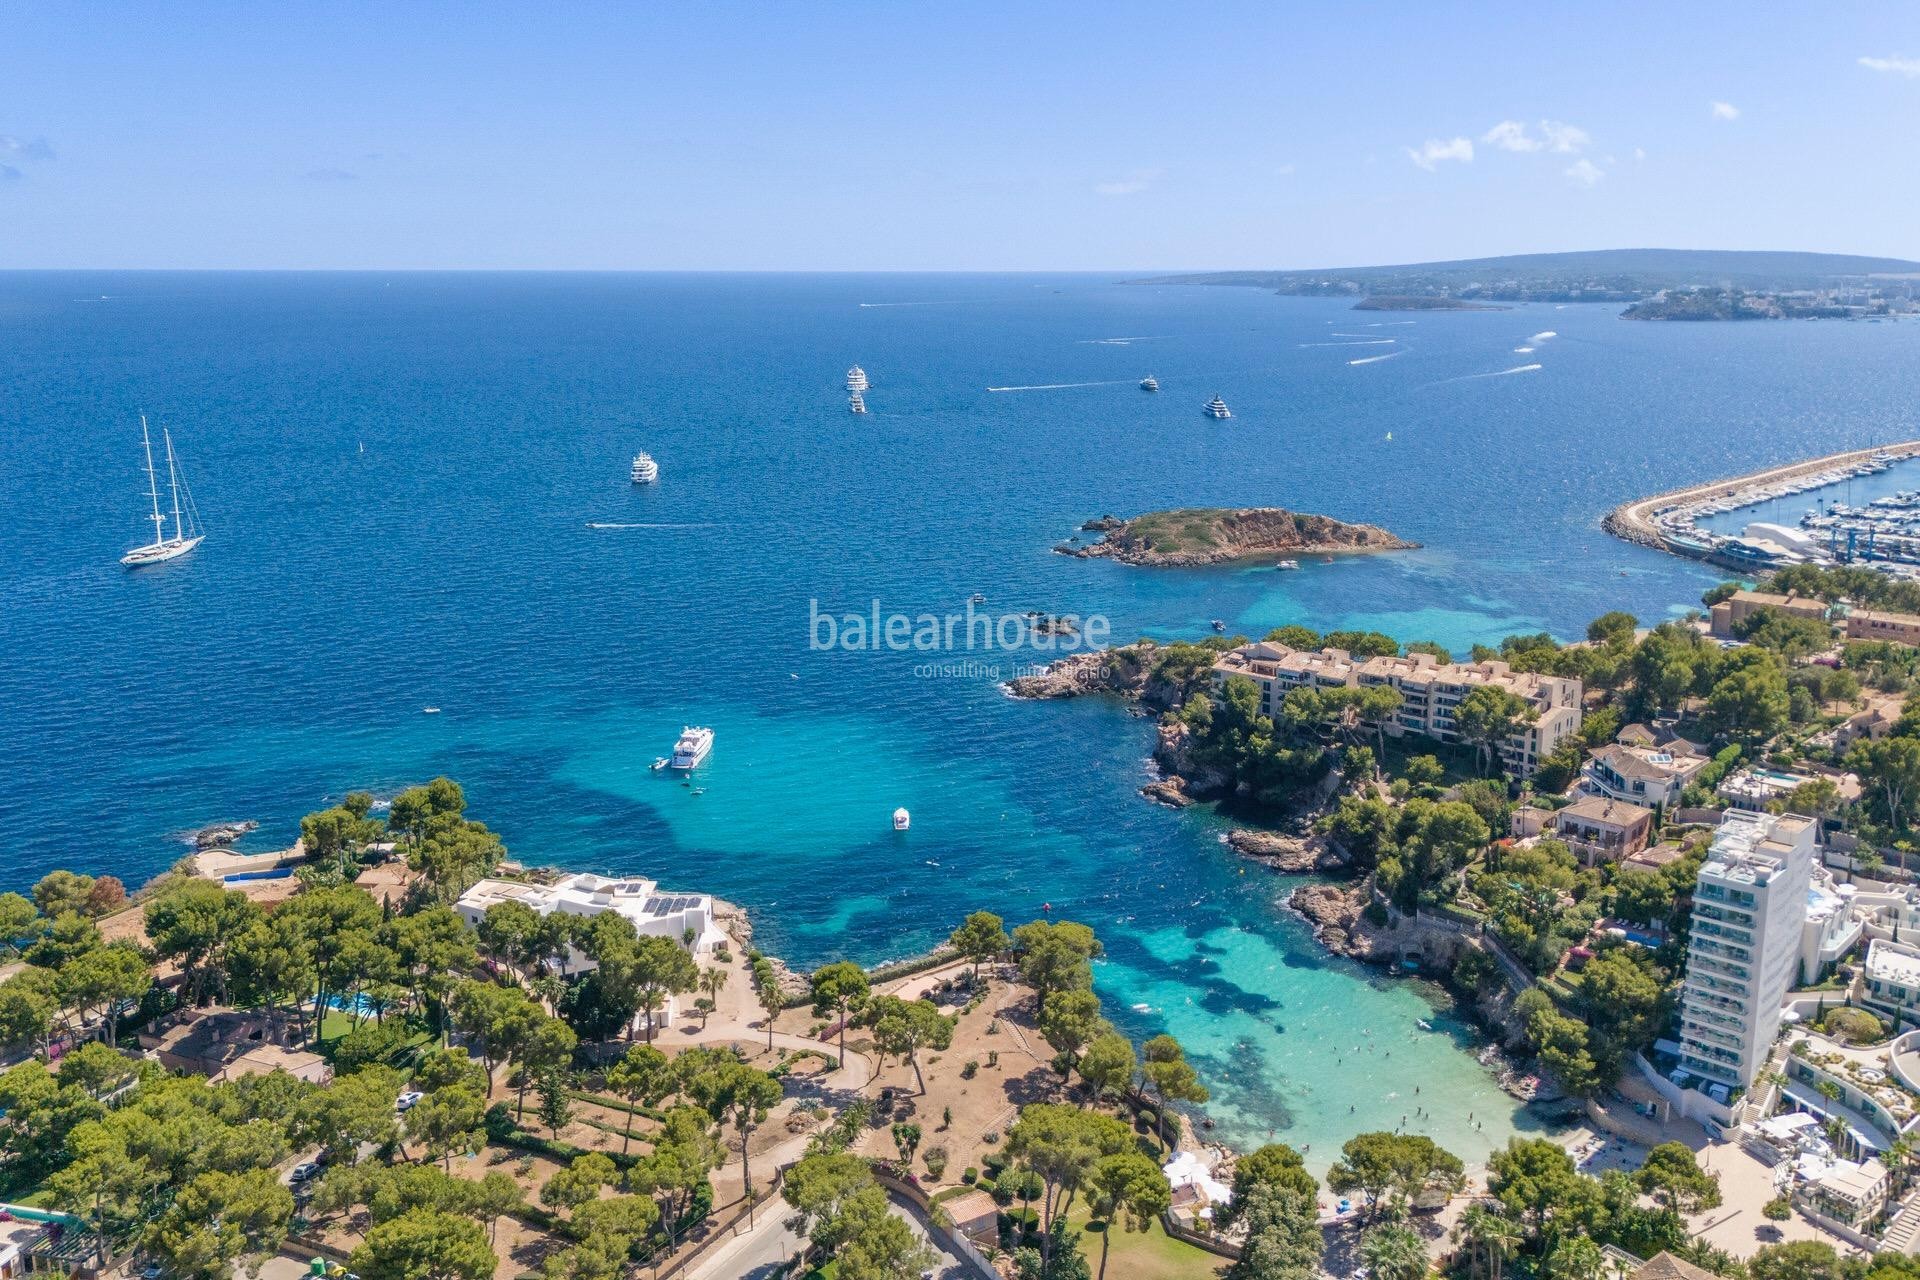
x=1145 y=1255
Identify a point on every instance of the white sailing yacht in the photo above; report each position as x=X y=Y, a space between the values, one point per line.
x=187 y=533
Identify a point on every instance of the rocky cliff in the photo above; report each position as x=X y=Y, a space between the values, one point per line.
x=1216 y=535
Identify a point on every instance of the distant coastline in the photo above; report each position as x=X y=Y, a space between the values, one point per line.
x=1654 y=283
x=1415 y=302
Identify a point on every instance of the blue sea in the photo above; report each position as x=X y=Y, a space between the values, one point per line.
x=416 y=493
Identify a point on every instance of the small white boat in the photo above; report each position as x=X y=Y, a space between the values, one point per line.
x=186 y=531
x=976 y=598
x=901 y=819
x=1217 y=408
x=645 y=469
x=1286 y=564
x=659 y=763
x=856 y=379
x=1149 y=383
x=429 y=711
x=692 y=748
x=1219 y=625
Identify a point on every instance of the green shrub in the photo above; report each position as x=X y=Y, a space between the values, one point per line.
x=969 y=1070
x=1778 y=1209
x=971 y=1176
x=368 y=1043
x=1855 y=1026
x=936 y=1162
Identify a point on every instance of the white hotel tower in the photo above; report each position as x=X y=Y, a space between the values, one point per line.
x=1748 y=909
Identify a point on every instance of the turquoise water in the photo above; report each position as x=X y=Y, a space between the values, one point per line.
x=451 y=564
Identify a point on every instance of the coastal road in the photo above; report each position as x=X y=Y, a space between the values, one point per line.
x=756 y=1253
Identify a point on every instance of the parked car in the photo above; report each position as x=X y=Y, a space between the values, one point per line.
x=405 y=1102
x=306 y=1171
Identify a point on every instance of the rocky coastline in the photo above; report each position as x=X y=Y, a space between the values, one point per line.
x=1193 y=537
x=218 y=835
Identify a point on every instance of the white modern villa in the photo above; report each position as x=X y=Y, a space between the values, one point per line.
x=652 y=912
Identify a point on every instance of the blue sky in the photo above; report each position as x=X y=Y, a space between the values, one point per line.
x=960 y=136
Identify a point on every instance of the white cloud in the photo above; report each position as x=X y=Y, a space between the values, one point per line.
x=1131 y=185
x=1509 y=135
x=1284 y=171
x=1554 y=135
x=1584 y=173
x=1639 y=153
x=1435 y=150
x=1896 y=65
x=12 y=148
x=1564 y=138
x=1725 y=111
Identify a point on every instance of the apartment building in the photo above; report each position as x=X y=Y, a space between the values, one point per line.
x=1895 y=628
x=1749 y=910
x=1891 y=986
x=1429 y=690
x=1741 y=605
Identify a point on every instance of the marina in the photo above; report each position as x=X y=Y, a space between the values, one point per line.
x=1884 y=532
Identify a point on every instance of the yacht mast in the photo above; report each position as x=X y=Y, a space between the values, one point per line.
x=153 y=484
x=173 y=482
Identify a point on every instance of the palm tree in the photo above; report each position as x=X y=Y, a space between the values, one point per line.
x=1577 y=1258
x=1491 y=1232
x=1394 y=1253
x=712 y=983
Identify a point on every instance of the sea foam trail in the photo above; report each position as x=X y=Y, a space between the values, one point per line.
x=1543 y=335
x=1120 y=342
x=936 y=302
x=1523 y=351
x=1062 y=386
x=1497 y=373
x=1376 y=359
x=1364 y=342
x=608 y=524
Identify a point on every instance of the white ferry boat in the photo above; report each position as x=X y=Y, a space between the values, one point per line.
x=645 y=469
x=856 y=404
x=856 y=379
x=1149 y=383
x=186 y=533
x=692 y=748
x=1217 y=408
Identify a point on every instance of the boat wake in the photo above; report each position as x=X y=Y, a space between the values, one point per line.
x=1376 y=359
x=1543 y=335
x=1499 y=373
x=1062 y=386
x=1364 y=342
x=1119 y=342
x=609 y=524
x=1523 y=351
x=937 y=302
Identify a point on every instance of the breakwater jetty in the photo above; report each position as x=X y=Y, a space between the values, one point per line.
x=1663 y=521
